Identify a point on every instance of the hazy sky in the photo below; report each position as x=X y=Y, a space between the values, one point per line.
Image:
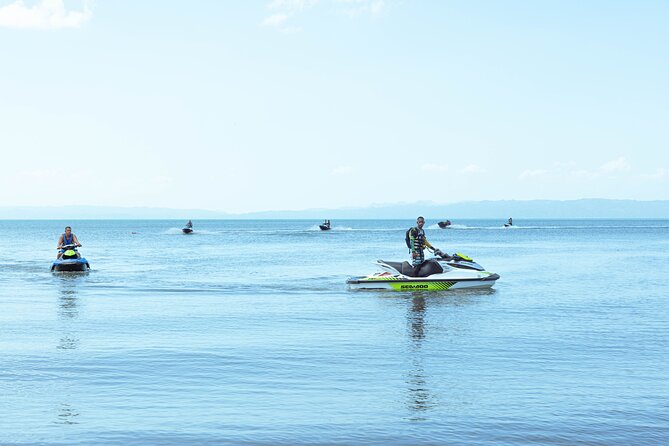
x=292 y=104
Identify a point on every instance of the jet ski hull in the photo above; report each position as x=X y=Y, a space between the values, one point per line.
x=403 y=283
x=438 y=274
x=70 y=265
x=324 y=227
x=187 y=230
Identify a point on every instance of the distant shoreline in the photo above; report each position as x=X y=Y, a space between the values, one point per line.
x=429 y=220
x=530 y=209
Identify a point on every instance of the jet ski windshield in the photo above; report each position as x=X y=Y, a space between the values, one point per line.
x=70 y=251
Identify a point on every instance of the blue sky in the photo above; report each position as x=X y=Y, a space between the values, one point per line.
x=266 y=105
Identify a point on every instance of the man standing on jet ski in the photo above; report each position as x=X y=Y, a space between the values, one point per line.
x=67 y=238
x=418 y=243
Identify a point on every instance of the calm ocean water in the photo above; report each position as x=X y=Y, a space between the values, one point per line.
x=245 y=333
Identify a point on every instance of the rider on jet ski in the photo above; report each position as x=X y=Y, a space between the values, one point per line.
x=67 y=238
x=418 y=243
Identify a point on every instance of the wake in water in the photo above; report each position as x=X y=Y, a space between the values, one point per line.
x=506 y=228
x=333 y=228
x=459 y=227
x=451 y=226
x=178 y=231
x=465 y=227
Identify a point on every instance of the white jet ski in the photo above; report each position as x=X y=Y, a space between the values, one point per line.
x=440 y=273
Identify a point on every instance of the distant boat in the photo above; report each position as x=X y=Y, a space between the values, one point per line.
x=509 y=223
x=188 y=228
x=444 y=224
x=325 y=226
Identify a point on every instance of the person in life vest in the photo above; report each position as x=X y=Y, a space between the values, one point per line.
x=67 y=238
x=418 y=242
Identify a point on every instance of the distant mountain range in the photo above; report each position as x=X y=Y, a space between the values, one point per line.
x=530 y=209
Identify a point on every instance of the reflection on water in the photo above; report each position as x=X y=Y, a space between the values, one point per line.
x=67 y=304
x=68 y=314
x=67 y=415
x=420 y=399
x=67 y=342
x=417 y=320
x=68 y=310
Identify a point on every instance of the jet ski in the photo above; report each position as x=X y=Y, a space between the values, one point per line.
x=70 y=261
x=444 y=272
x=444 y=224
x=188 y=228
x=325 y=226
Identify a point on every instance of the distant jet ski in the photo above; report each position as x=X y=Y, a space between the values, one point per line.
x=441 y=273
x=188 y=228
x=325 y=226
x=70 y=261
x=509 y=223
x=444 y=224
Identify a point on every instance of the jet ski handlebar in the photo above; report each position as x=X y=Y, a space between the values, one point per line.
x=439 y=253
x=456 y=256
x=69 y=246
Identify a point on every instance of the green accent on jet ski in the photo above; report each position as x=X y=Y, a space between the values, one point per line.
x=463 y=257
x=69 y=252
x=430 y=286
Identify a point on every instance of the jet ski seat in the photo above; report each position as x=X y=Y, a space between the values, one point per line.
x=403 y=267
x=427 y=268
